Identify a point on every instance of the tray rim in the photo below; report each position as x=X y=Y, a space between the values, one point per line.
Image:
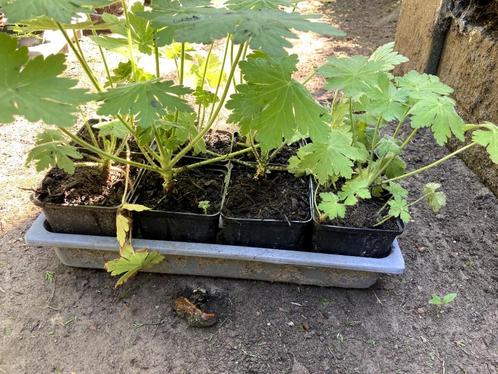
x=394 y=263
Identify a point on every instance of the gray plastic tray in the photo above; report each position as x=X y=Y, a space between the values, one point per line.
x=215 y=260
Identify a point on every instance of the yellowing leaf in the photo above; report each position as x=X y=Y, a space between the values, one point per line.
x=131 y=262
x=122 y=228
x=134 y=207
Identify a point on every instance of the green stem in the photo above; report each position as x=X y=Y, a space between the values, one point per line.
x=400 y=124
x=382 y=167
x=81 y=59
x=130 y=40
x=431 y=165
x=104 y=61
x=276 y=151
x=220 y=77
x=182 y=64
x=89 y=130
x=211 y=121
x=103 y=154
x=309 y=78
x=374 y=140
x=211 y=160
x=204 y=73
x=156 y=58
x=351 y=119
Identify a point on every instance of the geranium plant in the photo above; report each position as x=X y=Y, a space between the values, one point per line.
x=163 y=117
x=360 y=157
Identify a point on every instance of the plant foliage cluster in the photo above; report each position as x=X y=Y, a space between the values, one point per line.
x=229 y=57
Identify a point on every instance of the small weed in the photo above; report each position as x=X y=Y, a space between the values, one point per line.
x=204 y=205
x=442 y=300
x=324 y=301
x=49 y=276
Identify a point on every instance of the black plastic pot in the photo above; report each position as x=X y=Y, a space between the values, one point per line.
x=266 y=233
x=352 y=241
x=79 y=219
x=180 y=226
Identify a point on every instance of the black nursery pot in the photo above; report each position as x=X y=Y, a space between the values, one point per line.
x=353 y=241
x=79 y=219
x=180 y=226
x=267 y=233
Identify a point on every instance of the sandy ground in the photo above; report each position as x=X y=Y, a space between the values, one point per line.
x=79 y=323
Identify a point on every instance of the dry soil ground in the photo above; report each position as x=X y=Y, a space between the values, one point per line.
x=265 y=328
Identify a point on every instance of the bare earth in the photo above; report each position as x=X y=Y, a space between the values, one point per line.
x=265 y=328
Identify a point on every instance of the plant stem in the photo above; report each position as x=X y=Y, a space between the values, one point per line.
x=374 y=140
x=130 y=40
x=182 y=64
x=309 y=78
x=431 y=165
x=351 y=119
x=81 y=59
x=156 y=59
x=276 y=151
x=204 y=73
x=103 y=154
x=211 y=160
x=104 y=60
x=225 y=55
x=211 y=121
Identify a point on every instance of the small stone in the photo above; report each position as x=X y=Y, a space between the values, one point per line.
x=290 y=323
x=420 y=310
x=306 y=326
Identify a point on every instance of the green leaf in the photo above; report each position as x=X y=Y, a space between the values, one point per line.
x=112 y=128
x=436 y=199
x=273 y=104
x=132 y=262
x=32 y=89
x=267 y=29
x=438 y=113
x=204 y=97
x=488 y=138
x=419 y=86
x=387 y=145
x=142 y=33
x=258 y=4
x=385 y=100
x=331 y=157
x=59 y=10
x=388 y=57
x=353 y=75
x=398 y=207
x=395 y=168
x=442 y=300
x=148 y=101
x=396 y=190
x=353 y=190
x=436 y=300
x=123 y=73
x=448 y=298
x=330 y=206
x=174 y=51
x=52 y=150
x=212 y=71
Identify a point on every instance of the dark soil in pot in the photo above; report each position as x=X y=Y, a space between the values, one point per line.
x=272 y=212
x=177 y=216
x=356 y=234
x=81 y=203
